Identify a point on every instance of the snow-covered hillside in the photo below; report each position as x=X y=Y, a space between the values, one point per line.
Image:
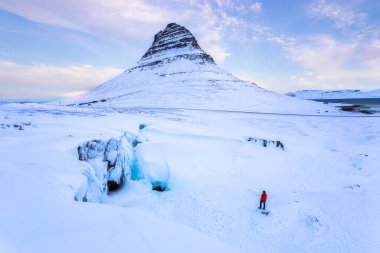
x=176 y=73
x=334 y=94
x=322 y=181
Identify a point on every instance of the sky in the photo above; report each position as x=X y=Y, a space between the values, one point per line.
x=51 y=49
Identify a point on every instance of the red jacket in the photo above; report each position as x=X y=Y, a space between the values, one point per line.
x=263 y=197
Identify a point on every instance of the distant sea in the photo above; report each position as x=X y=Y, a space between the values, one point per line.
x=373 y=104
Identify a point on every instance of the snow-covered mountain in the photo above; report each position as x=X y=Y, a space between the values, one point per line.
x=176 y=73
x=334 y=94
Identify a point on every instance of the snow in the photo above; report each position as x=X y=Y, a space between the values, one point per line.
x=335 y=94
x=322 y=187
x=185 y=84
x=192 y=147
x=153 y=164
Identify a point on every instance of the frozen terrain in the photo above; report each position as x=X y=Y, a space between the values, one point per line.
x=334 y=94
x=172 y=156
x=322 y=185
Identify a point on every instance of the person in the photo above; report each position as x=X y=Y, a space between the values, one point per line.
x=263 y=199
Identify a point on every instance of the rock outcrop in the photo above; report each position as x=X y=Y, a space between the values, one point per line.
x=174 y=43
x=266 y=143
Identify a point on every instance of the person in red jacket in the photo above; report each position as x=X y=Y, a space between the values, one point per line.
x=263 y=199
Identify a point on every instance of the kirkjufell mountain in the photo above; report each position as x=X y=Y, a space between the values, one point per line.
x=176 y=73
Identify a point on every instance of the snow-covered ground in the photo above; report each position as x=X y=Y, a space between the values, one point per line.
x=323 y=187
x=334 y=94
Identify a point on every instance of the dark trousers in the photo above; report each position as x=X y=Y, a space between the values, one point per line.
x=262 y=202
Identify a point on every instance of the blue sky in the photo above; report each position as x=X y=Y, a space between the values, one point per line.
x=54 y=48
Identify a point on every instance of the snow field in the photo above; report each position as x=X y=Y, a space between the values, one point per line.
x=216 y=178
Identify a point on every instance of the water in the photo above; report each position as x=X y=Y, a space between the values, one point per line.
x=373 y=104
x=353 y=101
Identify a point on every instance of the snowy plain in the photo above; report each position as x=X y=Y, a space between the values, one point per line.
x=323 y=187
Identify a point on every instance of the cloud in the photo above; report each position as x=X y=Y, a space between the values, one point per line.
x=73 y=93
x=117 y=17
x=257 y=7
x=330 y=63
x=223 y=24
x=135 y=19
x=214 y=22
x=39 y=80
x=211 y=43
x=234 y=5
x=286 y=42
x=350 y=59
x=343 y=14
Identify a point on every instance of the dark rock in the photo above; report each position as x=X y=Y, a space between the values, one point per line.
x=158 y=188
x=265 y=143
x=142 y=126
x=81 y=154
x=354 y=186
x=135 y=143
x=173 y=37
x=113 y=186
x=280 y=145
x=355 y=108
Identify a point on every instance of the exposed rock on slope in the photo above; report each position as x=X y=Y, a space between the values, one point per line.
x=174 y=37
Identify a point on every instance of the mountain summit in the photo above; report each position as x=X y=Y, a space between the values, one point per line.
x=176 y=73
x=172 y=45
x=177 y=39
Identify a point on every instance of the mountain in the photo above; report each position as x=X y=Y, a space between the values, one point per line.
x=334 y=94
x=176 y=73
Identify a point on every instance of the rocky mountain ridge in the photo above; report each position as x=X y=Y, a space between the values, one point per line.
x=175 y=37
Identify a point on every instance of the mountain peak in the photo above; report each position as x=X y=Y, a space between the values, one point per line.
x=173 y=43
x=175 y=72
